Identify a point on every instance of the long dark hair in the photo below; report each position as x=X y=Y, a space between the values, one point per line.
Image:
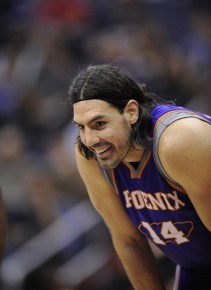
x=111 y=84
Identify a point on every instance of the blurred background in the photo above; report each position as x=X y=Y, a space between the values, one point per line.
x=56 y=240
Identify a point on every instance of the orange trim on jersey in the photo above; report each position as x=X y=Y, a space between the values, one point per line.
x=144 y=164
x=177 y=187
x=133 y=171
x=185 y=222
x=132 y=175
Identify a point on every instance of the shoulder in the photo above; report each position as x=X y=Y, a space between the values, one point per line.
x=184 y=133
x=103 y=198
x=185 y=154
x=185 y=145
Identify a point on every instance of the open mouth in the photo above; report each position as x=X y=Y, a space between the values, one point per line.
x=103 y=151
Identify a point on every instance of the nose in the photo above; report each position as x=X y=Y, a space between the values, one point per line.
x=90 y=137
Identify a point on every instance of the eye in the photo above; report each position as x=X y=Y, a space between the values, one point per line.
x=99 y=124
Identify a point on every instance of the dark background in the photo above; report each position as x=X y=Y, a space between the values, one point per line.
x=56 y=241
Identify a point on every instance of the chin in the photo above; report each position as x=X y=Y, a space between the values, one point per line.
x=108 y=165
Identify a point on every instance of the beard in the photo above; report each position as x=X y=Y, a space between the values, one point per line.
x=119 y=151
x=115 y=158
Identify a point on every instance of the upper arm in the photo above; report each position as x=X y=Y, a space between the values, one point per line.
x=185 y=154
x=104 y=199
x=131 y=246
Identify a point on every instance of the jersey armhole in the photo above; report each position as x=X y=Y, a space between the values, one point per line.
x=161 y=124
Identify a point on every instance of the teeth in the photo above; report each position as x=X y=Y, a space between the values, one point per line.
x=102 y=149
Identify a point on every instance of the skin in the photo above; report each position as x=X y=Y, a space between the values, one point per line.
x=186 y=156
x=183 y=155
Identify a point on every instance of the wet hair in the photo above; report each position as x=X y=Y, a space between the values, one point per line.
x=111 y=84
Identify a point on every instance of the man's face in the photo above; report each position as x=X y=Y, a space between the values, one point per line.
x=104 y=131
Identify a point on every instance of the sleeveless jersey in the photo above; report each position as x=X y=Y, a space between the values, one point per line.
x=157 y=205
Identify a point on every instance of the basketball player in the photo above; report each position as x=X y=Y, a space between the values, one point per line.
x=146 y=165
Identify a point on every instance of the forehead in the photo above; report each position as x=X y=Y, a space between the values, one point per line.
x=89 y=109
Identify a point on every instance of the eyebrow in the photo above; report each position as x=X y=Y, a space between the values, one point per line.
x=95 y=118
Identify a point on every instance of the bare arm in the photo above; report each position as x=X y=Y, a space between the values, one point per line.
x=3 y=226
x=185 y=153
x=132 y=248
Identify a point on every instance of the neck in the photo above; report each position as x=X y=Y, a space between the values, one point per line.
x=134 y=154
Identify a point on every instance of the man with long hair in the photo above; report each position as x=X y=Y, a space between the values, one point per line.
x=146 y=164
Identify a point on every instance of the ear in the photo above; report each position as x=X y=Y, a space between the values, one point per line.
x=132 y=111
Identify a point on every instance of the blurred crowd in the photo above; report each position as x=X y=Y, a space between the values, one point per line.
x=43 y=44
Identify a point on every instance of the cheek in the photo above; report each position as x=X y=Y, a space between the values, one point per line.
x=118 y=139
x=114 y=137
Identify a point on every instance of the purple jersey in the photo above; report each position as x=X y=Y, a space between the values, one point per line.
x=158 y=206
